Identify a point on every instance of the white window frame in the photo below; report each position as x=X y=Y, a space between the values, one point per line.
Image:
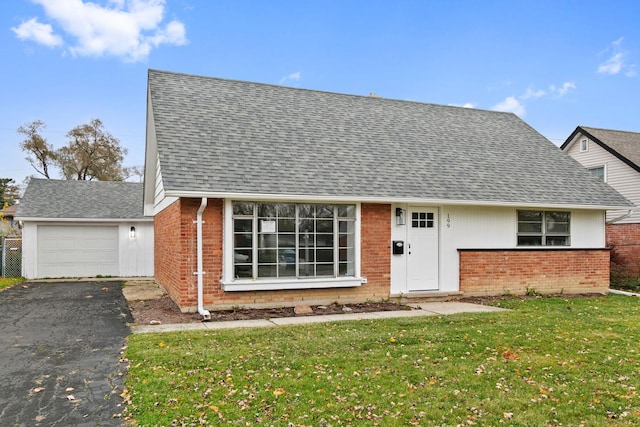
x=584 y=145
x=544 y=233
x=229 y=283
x=604 y=171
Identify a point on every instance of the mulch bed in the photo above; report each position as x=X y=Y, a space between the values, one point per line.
x=165 y=311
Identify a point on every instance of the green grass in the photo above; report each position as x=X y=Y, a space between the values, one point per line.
x=549 y=361
x=7 y=282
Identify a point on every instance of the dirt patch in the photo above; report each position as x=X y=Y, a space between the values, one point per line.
x=164 y=311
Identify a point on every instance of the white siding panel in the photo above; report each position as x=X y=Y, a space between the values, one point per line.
x=619 y=175
x=136 y=254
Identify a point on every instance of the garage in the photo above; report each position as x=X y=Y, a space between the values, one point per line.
x=77 y=251
x=85 y=229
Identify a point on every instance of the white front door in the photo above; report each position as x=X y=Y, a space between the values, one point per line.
x=422 y=249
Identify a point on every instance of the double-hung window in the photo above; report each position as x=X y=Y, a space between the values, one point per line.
x=293 y=240
x=544 y=228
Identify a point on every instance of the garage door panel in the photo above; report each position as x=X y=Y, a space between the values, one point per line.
x=75 y=251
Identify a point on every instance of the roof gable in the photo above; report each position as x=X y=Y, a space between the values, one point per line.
x=624 y=145
x=69 y=199
x=216 y=136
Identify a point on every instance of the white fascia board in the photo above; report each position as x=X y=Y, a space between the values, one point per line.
x=417 y=201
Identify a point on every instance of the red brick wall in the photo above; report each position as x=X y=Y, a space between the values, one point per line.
x=624 y=239
x=175 y=260
x=497 y=272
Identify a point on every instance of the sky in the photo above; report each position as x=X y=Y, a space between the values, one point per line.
x=557 y=64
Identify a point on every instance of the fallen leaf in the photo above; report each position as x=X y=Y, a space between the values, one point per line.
x=104 y=289
x=69 y=389
x=71 y=397
x=392 y=339
x=279 y=392
x=38 y=389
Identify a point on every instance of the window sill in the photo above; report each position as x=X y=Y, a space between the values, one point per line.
x=273 y=285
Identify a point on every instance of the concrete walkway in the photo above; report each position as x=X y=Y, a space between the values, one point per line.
x=420 y=309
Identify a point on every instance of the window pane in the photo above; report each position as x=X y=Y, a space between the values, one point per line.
x=305 y=211
x=324 y=225
x=307 y=240
x=242 y=225
x=287 y=270
x=267 y=271
x=557 y=222
x=346 y=211
x=266 y=241
x=324 y=255
x=242 y=256
x=324 y=240
x=306 y=255
x=557 y=241
x=346 y=254
x=243 y=208
x=242 y=271
x=243 y=240
x=307 y=270
x=530 y=216
x=324 y=211
x=267 y=210
x=598 y=172
x=286 y=210
x=306 y=226
x=529 y=227
x=346 y=269
x=267 y=256
x=286 y=240
x=286 y=225
x=324 y=270
x=529 y=240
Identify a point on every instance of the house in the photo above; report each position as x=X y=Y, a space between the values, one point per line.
x=614 y=157
x=84 y=229
x=265 y=195
x=8 y=225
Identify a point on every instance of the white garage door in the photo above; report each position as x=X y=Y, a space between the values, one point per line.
x=77 y=251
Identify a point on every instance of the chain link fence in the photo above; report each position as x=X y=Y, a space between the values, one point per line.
x=11 y=261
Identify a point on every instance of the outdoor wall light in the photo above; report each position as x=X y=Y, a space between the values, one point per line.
x=400 y=217
x=132 y=232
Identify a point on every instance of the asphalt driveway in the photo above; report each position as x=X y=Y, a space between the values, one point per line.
x=60 y=349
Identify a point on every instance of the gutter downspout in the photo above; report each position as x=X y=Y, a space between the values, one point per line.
x=206 y=315
x=621 y=217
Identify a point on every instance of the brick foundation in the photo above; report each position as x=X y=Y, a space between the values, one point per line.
x=624 y=239
x=175 y=261
x=504 y=271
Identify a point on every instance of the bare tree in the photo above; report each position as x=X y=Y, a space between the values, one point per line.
x=40 y=154
x=92 y=153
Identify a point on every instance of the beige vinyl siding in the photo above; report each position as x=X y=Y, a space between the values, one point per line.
x=618 y=174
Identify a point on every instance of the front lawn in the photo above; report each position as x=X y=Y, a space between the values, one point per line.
x=549 y=361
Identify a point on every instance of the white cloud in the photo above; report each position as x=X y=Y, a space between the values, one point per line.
x=128 y=29
x=39 y=33
x=530 y=93
x=511 y=104
x=617 y=61
x=293 y=77
x=562 y=90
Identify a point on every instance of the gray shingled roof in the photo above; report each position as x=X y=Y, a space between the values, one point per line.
x=61 y=199
x=626 y=144
x=223 y=136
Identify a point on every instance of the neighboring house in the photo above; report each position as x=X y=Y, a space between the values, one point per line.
x=8 y=225
x=269 y=195
x=84 y=229
x=614 y=157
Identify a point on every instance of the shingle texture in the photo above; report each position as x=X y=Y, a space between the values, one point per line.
x=216 y=135
x=626 y=144
x=61 y=199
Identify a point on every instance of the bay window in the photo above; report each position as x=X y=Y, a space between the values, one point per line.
x=293 y=240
